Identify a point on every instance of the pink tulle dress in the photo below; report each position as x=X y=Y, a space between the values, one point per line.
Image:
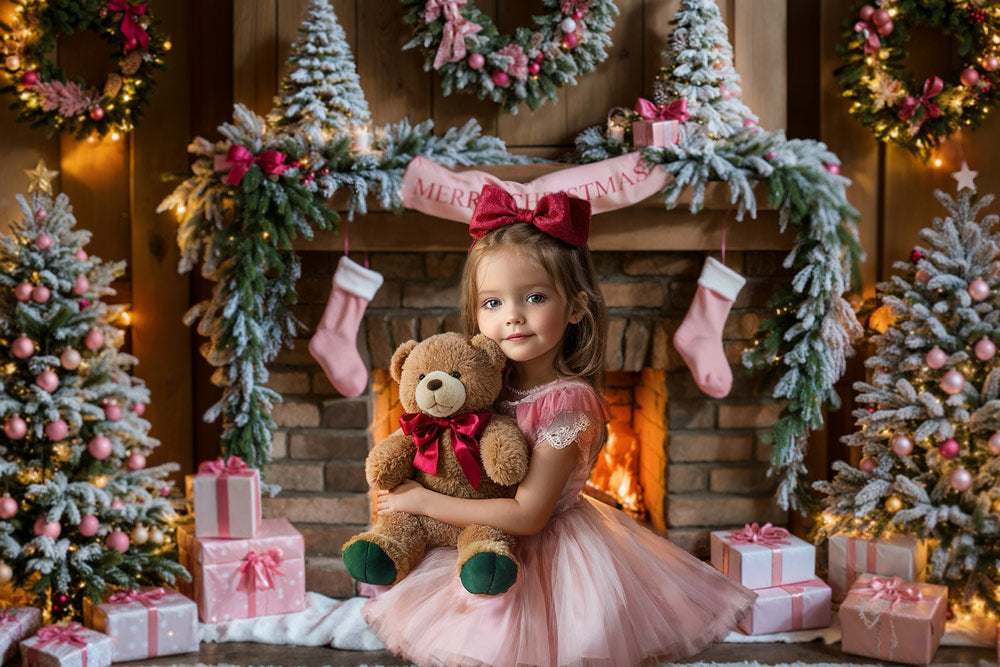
x=593 y=588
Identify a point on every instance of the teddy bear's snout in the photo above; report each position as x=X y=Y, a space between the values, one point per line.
x=439 y=394
x=434 y=384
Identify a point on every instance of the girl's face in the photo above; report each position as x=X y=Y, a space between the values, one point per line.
x=520 y=308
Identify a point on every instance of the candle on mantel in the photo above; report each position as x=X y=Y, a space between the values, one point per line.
x=362 y=139
x=616 y=133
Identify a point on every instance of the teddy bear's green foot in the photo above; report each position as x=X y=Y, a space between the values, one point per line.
x=369 y=564
x=488 y=573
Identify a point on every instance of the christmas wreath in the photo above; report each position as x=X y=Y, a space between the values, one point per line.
x=42 y=94
x=464 y=46
x=888 y=100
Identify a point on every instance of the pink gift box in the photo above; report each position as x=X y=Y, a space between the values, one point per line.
x=790 y=607
x=226 y=499
x=146 y=623
x=659 y=133
x=895 y=556
x=770 y=557
x=249 y=577
x=17 y=623
x=893 y=619
x=69 y=645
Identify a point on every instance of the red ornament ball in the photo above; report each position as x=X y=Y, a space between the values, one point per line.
x=131 y=44
x=94 y=339
x=136 y=461
x=43 y=241
x=985 y=349
x=40 y=294
x=949 y=448
x=477 y=60
x=99 y=447
x=139 y=409
x=991 y=63
x=45 y=528
x=569 y=40
x=165 y=490
x=29 y=78
x=915 y=255
x=833 y=168
x=59 y=599
x=47 y=380
x=23 y=291
x=979 y=289
x=534 y=68
x=8 y=507
x=81 y=285
x=118 y=541
x=884 y=28
x=83 y=304
x=880 y=17
x=22 y=347
x=56 y=430
x=870 y=409
x=500 y=78
x=578 y=15
x=89 y=525
x=866 y=13
x=112 y=412
x=117 y=504
x=15 y=428
x=70 y=359
x=41 y=214
x=969 y=77
x=96 y=113
x=868 y=465
x=103 y=13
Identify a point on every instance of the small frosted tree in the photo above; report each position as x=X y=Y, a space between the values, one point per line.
x=322 y=89
x=930 y=431
x=79 y=509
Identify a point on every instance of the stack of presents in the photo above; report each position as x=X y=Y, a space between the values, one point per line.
x=242 y=567
x=886 y=612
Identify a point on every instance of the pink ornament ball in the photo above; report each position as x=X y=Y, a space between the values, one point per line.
x=8 y=507
x=902 y=445
x=868 y=465
x=29 y=78
x=833 y=168
x=991 y=63
x=103 y=13
x=953 y=382
x=985 y=349
x=749 y=122
x=56 y=430
x=922 y=276
x=118 y=541
x=725 y=92
x=22 y=347
x=885 y=28
x=96 y=113
x=969 y=77
x=534 y=69
x=131 y=44
x=47 y=380
x=89 y=525
x=866 y=13
x=41 y=214
x=165 y=490
x=136 y=461
x=94 y=339
x=880 y=17
x=500 y=78
x=569 y=40
x=81 y=285
x=578 y=15
x=112 y=412
x=477 y=60
x=979 y=289
x=41 y=294
x=936 y=358
x=45 y=528
x=23 y=291
x=117 y=504
x=15 y=428
x=139 y=409
x=70 y=359
x=949 y=448
x=43 y=241
x=994 y=443
x=99 y=447
x=960 y=479
x=81 y=254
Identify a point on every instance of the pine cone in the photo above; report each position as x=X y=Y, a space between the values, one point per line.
x=112 y=85
x=130 y=63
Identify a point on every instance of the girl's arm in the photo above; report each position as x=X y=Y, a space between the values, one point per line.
x=524 y=514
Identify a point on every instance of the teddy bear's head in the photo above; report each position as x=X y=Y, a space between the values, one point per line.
x=448 y=374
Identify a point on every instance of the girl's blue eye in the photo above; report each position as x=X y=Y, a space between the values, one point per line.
x=490 y=304
x=536 y=298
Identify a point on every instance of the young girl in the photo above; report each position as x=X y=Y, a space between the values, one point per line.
x=594 y=587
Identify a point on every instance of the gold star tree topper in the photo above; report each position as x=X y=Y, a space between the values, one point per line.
x=40 y=178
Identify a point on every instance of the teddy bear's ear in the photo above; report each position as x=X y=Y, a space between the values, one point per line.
x=492 y=350
x=399 y=358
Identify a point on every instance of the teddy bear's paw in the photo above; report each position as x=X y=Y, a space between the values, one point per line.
x=369 y=564
x=488 y=573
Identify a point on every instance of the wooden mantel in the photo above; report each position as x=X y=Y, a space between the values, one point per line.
x=643 y=226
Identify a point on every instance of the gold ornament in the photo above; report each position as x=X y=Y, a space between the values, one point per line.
x=6 y=574
x=40 y=178
x=996 y=505
x=893 y=504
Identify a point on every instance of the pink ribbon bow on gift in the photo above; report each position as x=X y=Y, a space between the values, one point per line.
x=456 y=27
x=932 y=86
x=7 y=616
x=124 y=597
x=131 y=27
x=872 y=43
x=766 y=535
x=676 y=110
x=258 y=569
x=892 y=590
x=234 y=465
x=241 y=159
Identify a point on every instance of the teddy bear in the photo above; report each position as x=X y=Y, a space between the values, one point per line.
x=450 y=442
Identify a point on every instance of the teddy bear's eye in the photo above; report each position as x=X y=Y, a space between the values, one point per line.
x=422 y=376
x=456 y=374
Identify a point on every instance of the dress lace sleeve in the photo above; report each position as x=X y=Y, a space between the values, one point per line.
x=570 y=413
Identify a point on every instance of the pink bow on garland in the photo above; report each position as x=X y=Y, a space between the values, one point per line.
x=131 y=27
x=892 y=590
x=676 y=110
x=872 y=43
x=258 y=569
x=125 y=597
x=766 y=535
x=241 y=159
x=932 y=86
x=234 y=465
x=456 y=27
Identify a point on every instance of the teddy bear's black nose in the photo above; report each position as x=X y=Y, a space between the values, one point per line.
x=434 y=384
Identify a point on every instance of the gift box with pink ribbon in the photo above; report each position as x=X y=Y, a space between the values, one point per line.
x=69 y=645
x=17 y=623
x=763 y=556
x=226 y=499
x=250 y=577
x=660 y=124
x=790 y=607
x=893 y=619
x=894 y=556
x=145 y=623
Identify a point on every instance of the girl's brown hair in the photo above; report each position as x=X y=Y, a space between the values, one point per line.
x=572 y=271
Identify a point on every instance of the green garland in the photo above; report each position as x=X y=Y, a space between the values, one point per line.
x=888 y=100
x=569 y=40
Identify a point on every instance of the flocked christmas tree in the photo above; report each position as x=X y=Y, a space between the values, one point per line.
x=930 y=431
x=79 y=509
x=322 y=86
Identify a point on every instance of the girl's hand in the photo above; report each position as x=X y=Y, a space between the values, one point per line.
x=404 y=498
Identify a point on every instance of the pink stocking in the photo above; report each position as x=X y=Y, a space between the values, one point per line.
x=335 y=343
x=699 y=338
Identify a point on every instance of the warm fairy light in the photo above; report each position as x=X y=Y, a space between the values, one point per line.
x=125 y=319
x=115 y=136
x=265 y=235
x=167 y=45
x=101 y=481
x=181 y=208
x=938 y=162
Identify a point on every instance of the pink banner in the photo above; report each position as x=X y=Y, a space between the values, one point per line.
x=608 y=185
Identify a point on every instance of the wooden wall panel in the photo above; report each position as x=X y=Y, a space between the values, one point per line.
x=455 y=109
x=395 y=84
x=255 y=53
x=759 y=43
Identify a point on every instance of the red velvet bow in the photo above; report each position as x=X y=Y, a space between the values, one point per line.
x=892 y=590
x=932 y=86
x=234 y=465
x=465 y=432
x=59 y=634
x=258 y=569
x=558 y=215
x=676 y=110
x=131 y=27
x=872 y=43
x=272 y=162
x=124 y=597
x=766 y=535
